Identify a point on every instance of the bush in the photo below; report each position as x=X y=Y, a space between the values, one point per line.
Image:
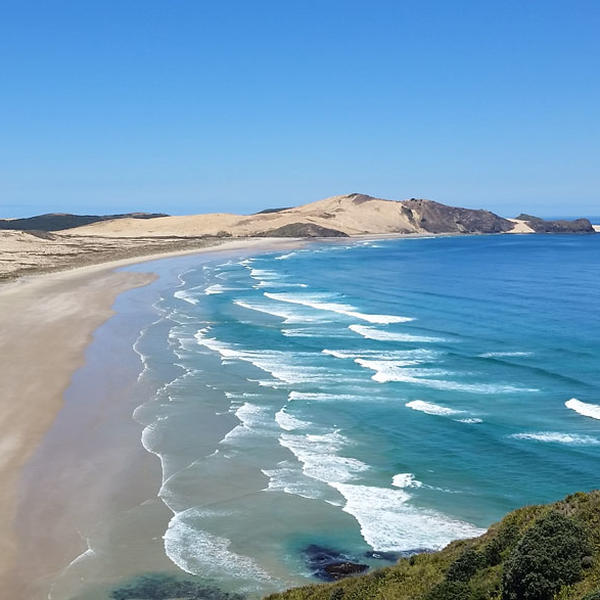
x=548 y=557
x=493 y=552
x=593 y=596
x=337 y=594
x=465 y=566
x=449 y=590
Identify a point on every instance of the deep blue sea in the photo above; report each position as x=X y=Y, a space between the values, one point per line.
x=369 y=397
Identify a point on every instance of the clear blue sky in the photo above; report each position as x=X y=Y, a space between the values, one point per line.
x=193 y=106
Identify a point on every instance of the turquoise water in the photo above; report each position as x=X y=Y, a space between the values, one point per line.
x=370 y=397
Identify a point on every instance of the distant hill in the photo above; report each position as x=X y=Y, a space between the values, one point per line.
x=546 y=552
x=557 y=226
x=60 y=221
x=351 y=214
x=338 y=216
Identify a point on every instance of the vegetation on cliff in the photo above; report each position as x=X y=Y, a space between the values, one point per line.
x=546 y=552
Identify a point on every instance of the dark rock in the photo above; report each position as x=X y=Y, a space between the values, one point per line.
x=345 y=569
x=302 y=230
x=439 y=218
x=330 y=565
x=540 y=225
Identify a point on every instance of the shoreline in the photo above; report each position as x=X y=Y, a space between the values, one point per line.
x=148 y=252
x=48 y=321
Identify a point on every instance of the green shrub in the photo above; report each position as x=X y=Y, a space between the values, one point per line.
x=337 y=594
x=466 y=565
x=548 y=557
x=449 y=590
x=593 y=596
x=493 y=552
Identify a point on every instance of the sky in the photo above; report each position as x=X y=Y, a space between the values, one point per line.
x=185 y=107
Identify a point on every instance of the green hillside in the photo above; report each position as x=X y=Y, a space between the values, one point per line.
x=547 y=552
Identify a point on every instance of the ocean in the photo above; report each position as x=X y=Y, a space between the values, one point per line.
x=367 y=399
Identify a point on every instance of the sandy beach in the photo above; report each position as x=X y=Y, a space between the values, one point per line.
x=46 y=323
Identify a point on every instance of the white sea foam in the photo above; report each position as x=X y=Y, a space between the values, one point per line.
x=470 y=420
x=186 y=296
x=405 y=480
x=289 y=422
x=299 y=333
x=389 y=371
x=279 y=284
x=218 y=288
x=372 y=333
x=432 y=409
x=319 y=458
x=317 y=331
x=266 y=277
x=389 y=523
x=201 y=553
x=289 y=367
x=502 y=354
x=286 y=256
x=288 y=477
x=289 y=316
x=417 y=354
x=584 y=408
x=253 y=419
x=251 y=415
x=322 y=396
x=320 y=302
x=573 y=439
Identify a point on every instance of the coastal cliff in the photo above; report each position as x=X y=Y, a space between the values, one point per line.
x=545 y=552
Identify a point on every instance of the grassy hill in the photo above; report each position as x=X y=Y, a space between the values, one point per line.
x=547 y=552
x=59 y=221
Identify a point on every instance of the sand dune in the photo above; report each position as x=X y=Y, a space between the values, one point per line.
x=521 y=227
x=352 y=214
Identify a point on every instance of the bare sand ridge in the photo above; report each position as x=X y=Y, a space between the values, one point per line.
x=353 y=214
x=521 y=227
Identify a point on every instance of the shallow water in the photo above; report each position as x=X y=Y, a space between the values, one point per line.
x=388 y=395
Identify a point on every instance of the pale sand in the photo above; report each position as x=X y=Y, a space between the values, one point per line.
x=46 y=322
x=342 y=213
x=520 y=227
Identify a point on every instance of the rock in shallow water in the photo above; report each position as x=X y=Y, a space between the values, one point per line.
x=345 y=569
x=330 y=565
